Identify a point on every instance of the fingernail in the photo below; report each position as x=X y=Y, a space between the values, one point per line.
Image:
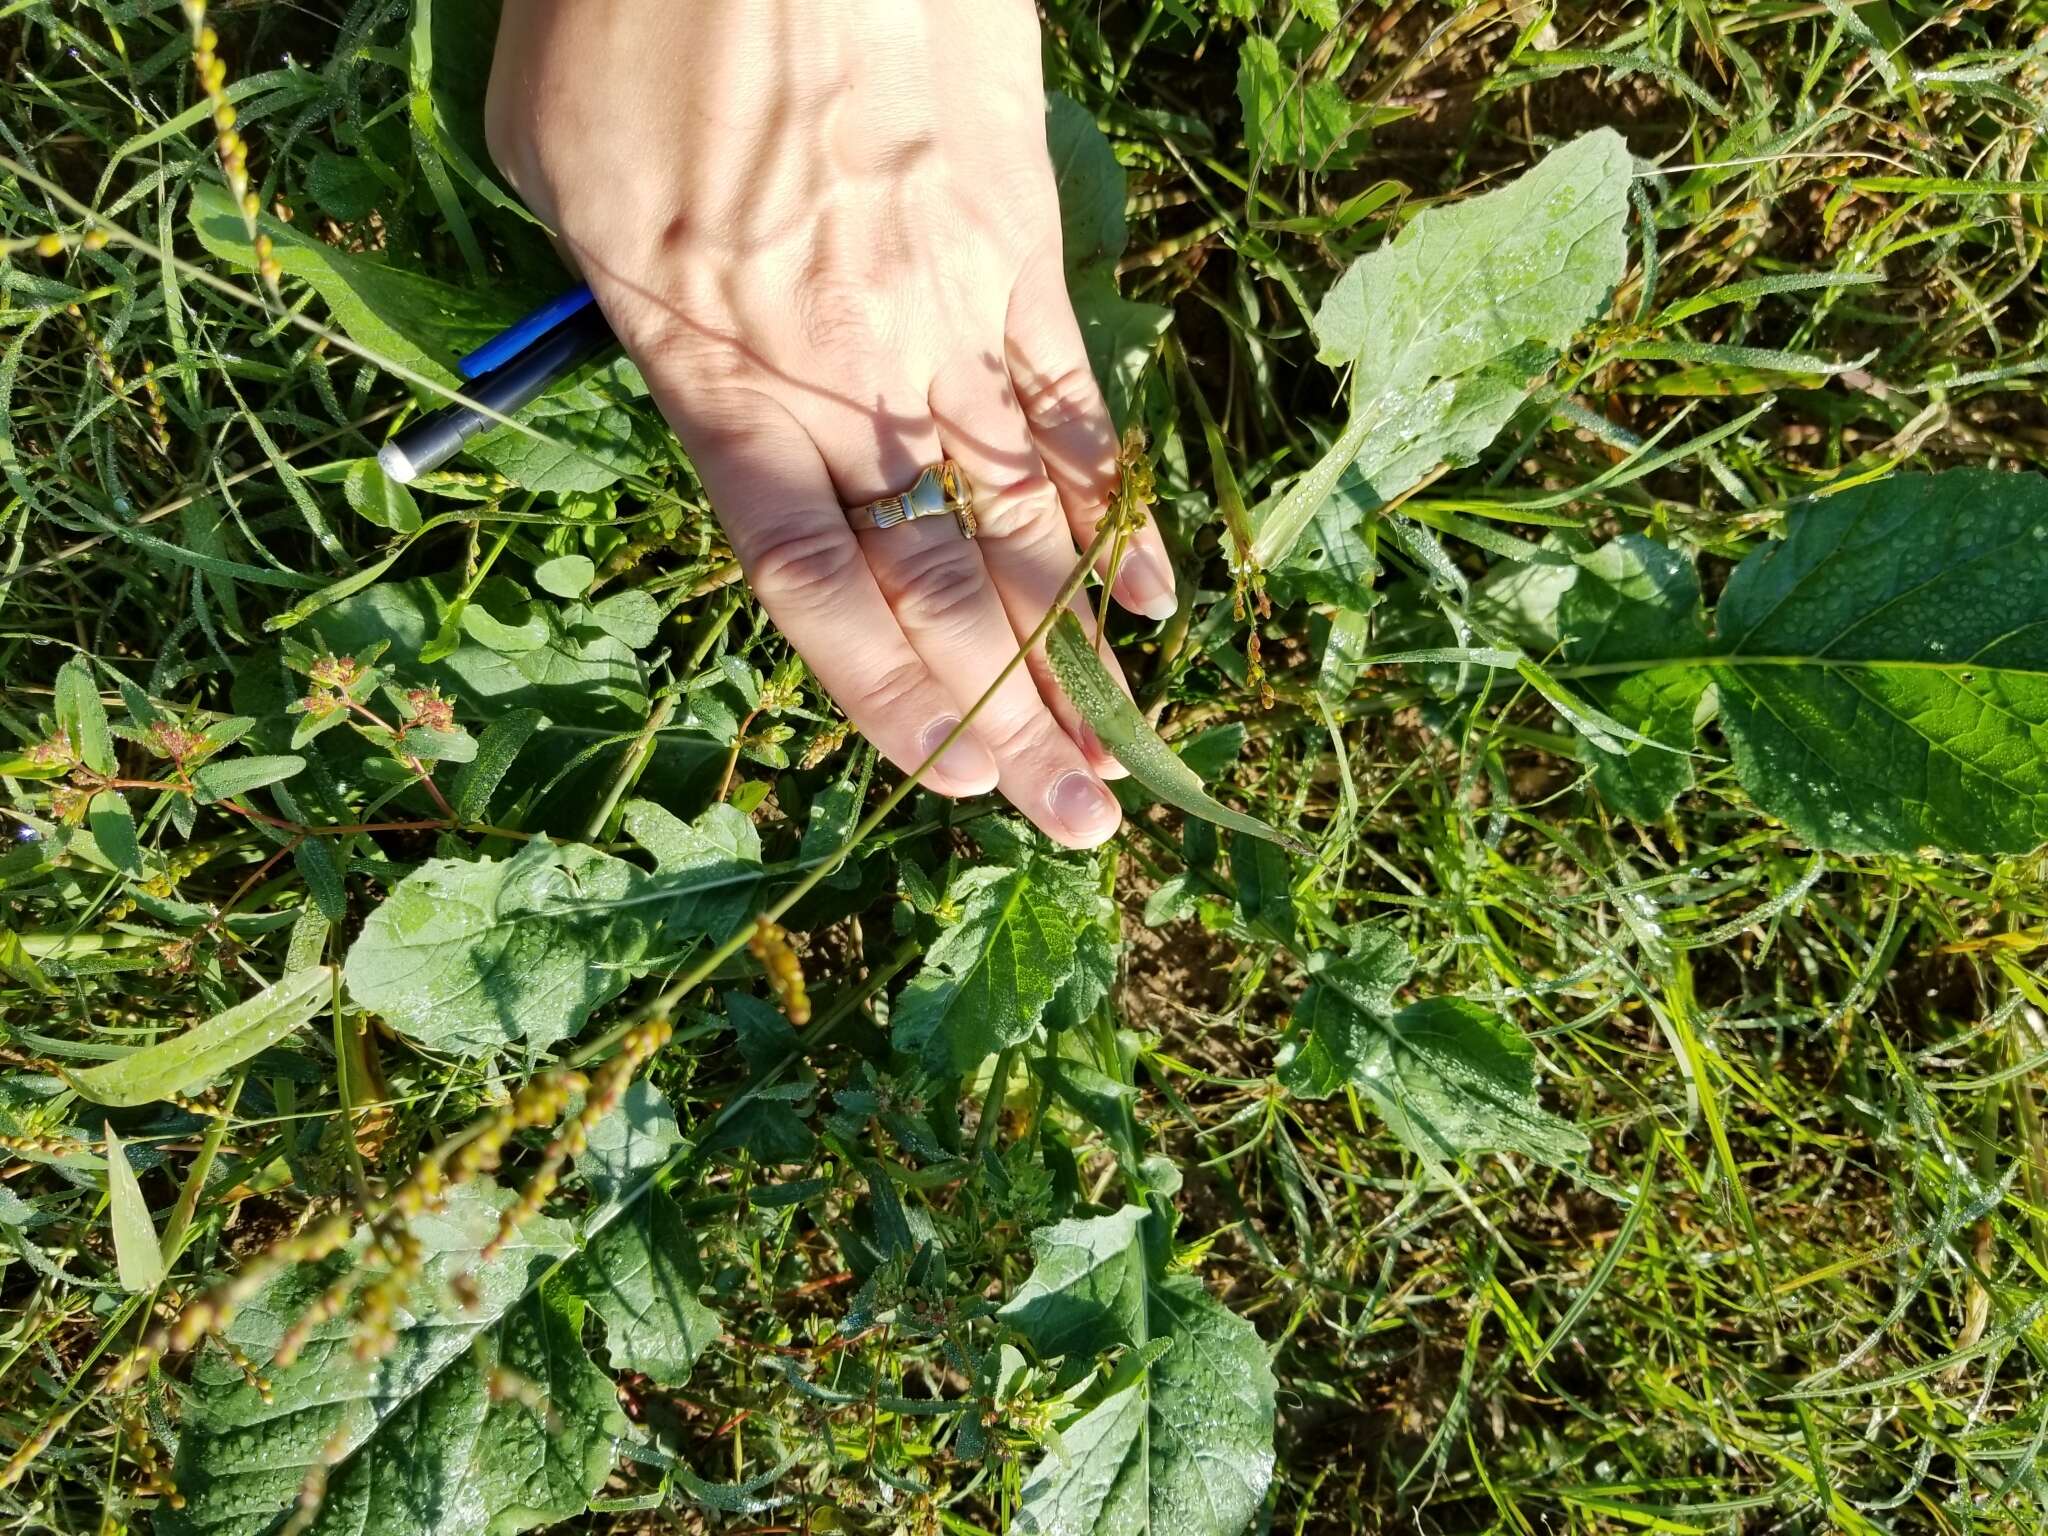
x=1099 y=757
x=1083 y=808
x=966 y=767
x=1148 y=584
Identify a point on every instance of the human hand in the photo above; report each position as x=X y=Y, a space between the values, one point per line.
x=829 y=236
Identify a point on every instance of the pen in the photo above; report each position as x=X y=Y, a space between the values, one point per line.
x=508 y=372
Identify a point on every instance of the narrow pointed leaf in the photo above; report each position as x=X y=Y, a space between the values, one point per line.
x=138 y=1256
x=1120 y=728
x=206 y=1051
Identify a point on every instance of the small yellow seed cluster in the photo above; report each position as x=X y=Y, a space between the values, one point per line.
x=827 y=741
x=49 y=1146
x=159 y=417
x=1259 y=608
x=770 y=945
x=1130 y=505
x=247 y=1367
x=212 y=74
x=153 y=1476
x=602 y=1094
x=177 y=865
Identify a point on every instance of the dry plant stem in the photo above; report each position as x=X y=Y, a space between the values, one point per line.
x=699 y=973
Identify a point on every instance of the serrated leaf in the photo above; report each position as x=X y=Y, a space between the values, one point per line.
x=138 y=1256
x=1447 y=326
x=419 y=1443
x=640 y=1274
x=204 y=1052
x=987 y=979
x=1086 y=1291
x=231 y=778
x=1469 y=282
x=82 y=717
x=1289 y=119
x=1186 y=1444
x=718 y=856
x=1883 y=672
x=1348 y=994
x=1123 y=731
x=1450 y=1078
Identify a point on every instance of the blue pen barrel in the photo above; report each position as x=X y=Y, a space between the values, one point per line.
x=433 y=440
x=509 y=343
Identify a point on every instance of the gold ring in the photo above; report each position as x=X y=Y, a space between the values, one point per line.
x=940 y=490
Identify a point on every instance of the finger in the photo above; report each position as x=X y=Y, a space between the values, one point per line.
x=1024 y=535
x=1070 y=425
x=940 y=588
x=782 y=513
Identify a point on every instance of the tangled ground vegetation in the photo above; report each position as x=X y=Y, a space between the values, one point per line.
x=1558 y=1045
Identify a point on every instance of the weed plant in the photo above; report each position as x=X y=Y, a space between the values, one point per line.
x=1557 y=1047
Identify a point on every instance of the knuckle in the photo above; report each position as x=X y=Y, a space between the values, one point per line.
x=1066 y=397
x=943 y=586
x=896 y=686
x=1025 y=735
x=1023 y=506
x=801 y=565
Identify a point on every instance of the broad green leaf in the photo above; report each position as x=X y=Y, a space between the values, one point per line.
x=1086 y=1291
x=590 y=434
x=418 y=1444
x=1120 y=728
x=1184 y=1441
x=1118 y=333
x=393 y=311
x=1450 y=1078
x=1290 y=119
x=344 y=186
x=1265 y=887
x=640 y=1274
x=379 y=498
x=1470 y=282
x=82 y=717
x=629 y=1144
x=719 y=851
x=138 y=1256
x=1883 y=672
x=231 y=778
x=988 y=979
x=205 y=1051
x=1333 y=561
x=566 y=576
x=474 y=955
x=1448 y=326
x=112 y=826
x=1634 y=599
x=1346 y=998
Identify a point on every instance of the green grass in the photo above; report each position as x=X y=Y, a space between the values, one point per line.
x=1804 y=1284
